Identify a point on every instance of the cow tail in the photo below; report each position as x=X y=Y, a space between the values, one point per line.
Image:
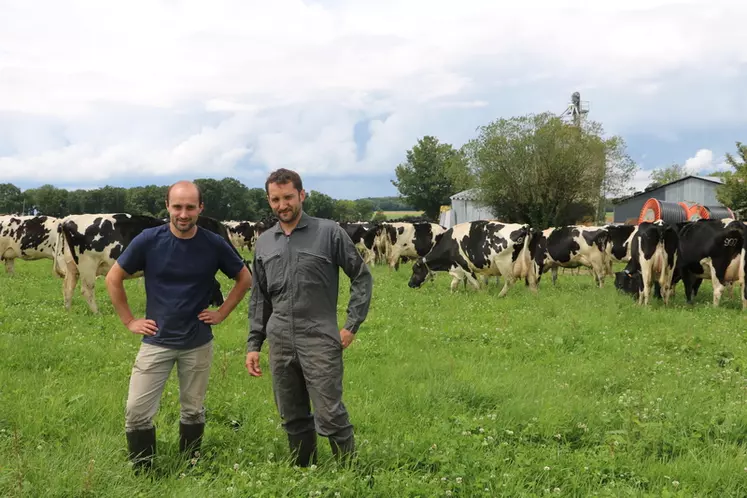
x=59 y=251
x=530 y=272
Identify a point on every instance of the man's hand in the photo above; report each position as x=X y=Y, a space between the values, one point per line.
x=212 y=317
x=252 y=364
x=347 y=338
x=143 y=326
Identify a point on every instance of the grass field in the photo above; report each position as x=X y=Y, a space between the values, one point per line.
x=391 y=215
x=573 y=392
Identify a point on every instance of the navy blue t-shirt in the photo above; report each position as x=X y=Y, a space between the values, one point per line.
x=179 y=280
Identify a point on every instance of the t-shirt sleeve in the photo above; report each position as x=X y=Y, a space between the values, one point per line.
x=132 y=259
x=229 y=261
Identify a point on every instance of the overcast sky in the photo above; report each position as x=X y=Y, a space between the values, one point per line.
x=139 y=92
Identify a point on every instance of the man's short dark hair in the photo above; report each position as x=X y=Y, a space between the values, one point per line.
x=282 y=176
x=199 y=192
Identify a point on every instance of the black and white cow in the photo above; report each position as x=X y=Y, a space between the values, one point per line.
x=243 y=234
x=620 y=243
x=89 y=244
x=479 y=248
x=711 y=249
x=570 y=247
x=409 y=240
x=653 y=262
x=27 y=238
x=359 y=234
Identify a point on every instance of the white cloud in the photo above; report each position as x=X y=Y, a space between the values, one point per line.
x=702 y=163
x=94 y=91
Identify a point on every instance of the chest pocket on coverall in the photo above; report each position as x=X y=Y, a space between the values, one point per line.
x=274 y=266
x=313 y=268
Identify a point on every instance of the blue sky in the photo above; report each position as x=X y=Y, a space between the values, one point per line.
x=339 y=90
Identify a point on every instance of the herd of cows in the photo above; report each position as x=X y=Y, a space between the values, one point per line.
x=658 y=254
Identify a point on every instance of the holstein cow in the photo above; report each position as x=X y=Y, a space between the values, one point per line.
x=711 y=249
x=653 y=260
x=27 y=238
x=570 y=247
x=242 y=233
x=89 y=244
x=359 y=234
x=484 y=248
x=410 y=240
x=620 y=242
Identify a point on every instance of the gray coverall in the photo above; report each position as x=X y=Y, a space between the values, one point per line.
x=294 y=305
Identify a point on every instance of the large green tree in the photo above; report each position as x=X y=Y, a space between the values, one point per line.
x=733 y=193
x=671 y=173
x=432 y=172
x=537 y=169
x=320 y=205
x=11 y=199
x=50 y=200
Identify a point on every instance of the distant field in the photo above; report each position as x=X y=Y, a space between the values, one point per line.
x=575 y=391
x=399 y=214
x=609 y=215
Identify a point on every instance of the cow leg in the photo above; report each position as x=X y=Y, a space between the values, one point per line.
x=598 y=270
x=646 y=277
x=691 y=284
x=87 y=288
x=742 y=280
x=508 y=283
x=554 y=271
x=10 y=266
x=457 y=276
x=68 y=285
x=718 y=285
x=665 y=285
x=394 y=260
x=88 y=271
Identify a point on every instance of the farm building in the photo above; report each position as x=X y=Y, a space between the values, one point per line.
x=687 y=195
x=464 y=207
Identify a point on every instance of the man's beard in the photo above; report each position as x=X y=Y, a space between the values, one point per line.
x=182 y=227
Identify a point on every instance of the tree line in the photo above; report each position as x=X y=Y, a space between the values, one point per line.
x=226 y=199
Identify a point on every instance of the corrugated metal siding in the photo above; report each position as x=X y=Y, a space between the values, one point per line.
x=693 y=190
x=632 y=207
x=690 y=190
x=463 y=211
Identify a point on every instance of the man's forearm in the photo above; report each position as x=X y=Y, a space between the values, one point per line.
x=237 y=293
x=119 y=300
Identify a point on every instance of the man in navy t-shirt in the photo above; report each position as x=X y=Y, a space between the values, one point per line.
x=179 y=261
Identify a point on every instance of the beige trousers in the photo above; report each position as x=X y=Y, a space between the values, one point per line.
x=149 y=375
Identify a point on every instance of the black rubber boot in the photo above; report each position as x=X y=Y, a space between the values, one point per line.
x=190 y=438
x=343 y=451
x=303 y=448
x=141 y=445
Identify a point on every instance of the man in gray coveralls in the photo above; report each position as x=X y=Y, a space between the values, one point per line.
x=294 y=305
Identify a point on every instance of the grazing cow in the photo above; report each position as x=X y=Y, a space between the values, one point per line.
x=653 y=260
x=570 y=247
x=711 y=249
x=409 y=240
x=359 y=234
x=27 y=238
x=242 y=233
x=618 y=249
x=89 y=244
x=485 y=248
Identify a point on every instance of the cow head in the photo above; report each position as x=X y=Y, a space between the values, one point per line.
x=629 y=282
x=420 y=273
